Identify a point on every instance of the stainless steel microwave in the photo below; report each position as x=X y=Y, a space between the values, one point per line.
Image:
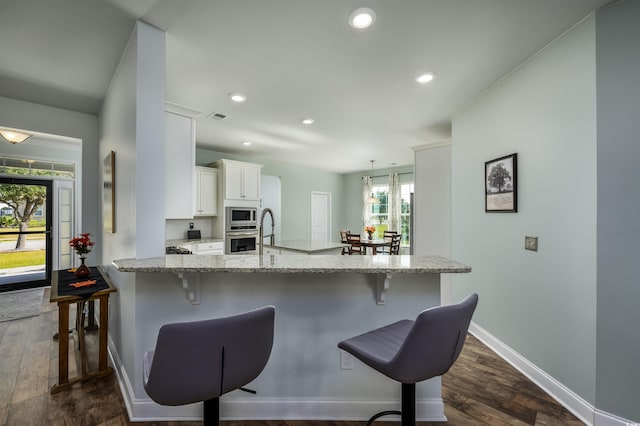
x=241 y=218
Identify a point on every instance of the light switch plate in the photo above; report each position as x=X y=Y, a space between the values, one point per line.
x=531 y=243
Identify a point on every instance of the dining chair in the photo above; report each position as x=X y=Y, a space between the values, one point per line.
x=343 y=239
x=387 y=237
x=395 y=244
x=354 y=244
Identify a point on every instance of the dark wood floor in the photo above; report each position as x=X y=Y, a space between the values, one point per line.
x=481 y=388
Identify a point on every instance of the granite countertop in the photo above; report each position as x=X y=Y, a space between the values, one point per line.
x=177 y=243
x=306 y=246
x=293 y=264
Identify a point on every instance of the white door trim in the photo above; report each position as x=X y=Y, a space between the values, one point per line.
x=327 y=196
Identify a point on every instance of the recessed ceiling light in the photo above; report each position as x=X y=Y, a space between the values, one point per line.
x=246 y=143
x=308 y=121
x=238 y=97
x=362 y=18
x=425 y=77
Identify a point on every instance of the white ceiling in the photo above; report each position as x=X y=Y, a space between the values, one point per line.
x=293 y=59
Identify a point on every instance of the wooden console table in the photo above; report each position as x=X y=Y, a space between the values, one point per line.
x=64 y=300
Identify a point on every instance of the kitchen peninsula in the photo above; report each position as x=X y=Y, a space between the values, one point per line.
x=320 y=300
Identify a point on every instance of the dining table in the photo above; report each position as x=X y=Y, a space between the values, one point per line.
x=374 y=243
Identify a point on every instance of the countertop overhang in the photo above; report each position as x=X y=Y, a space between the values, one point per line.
x=383 y=264
x=189 y=268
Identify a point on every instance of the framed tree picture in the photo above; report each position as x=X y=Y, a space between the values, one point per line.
x=500 y=183
x=109 y=193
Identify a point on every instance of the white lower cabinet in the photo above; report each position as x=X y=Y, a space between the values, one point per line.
x=216 y=247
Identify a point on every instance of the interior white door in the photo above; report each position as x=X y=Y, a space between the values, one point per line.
x=321 y=217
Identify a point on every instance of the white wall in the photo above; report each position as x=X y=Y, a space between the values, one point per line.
x=541 y=304
x=132 y=125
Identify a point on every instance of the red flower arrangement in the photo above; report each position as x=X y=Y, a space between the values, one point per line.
x=82 y=244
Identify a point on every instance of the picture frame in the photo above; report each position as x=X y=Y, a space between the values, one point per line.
x=501 y=184
x=109 y=193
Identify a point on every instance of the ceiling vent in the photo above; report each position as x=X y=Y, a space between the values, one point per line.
x=217 y=116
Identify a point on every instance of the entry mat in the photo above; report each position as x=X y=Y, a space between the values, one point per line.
x=20 y=304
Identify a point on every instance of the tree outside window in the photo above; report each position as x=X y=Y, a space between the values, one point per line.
x=380 y=212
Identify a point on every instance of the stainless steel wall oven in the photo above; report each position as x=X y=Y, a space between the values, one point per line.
x=241 y=230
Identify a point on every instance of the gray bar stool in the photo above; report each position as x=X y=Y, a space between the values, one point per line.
x=202 y=360
x=412 y=351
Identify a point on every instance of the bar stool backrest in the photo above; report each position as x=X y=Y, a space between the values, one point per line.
x=434 y=341
x=201 y=360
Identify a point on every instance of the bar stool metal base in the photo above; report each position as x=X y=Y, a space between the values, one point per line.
x=211 y=412
x=408 y=413
x=381 y=414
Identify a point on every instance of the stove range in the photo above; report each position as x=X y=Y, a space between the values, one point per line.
x=177 y=250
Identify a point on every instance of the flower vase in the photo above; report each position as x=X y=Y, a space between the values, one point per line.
x=82 y=270
x=370 y=235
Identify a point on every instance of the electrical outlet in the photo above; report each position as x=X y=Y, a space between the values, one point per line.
x=190 y=225
x=346 y=360
x=531 y=243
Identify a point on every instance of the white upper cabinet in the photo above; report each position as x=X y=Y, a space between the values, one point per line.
x=206 y=191
x=241 y=181
x=251 y=182
x=179 y=166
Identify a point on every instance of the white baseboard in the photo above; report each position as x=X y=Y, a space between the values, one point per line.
x=606 y=419
x=583 y=410
x=426 y=410
x=565 y=396
x=257 y=408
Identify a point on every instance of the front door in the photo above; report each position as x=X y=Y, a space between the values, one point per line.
x=25 y=233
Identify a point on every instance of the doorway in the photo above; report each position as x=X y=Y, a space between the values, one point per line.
x=25 y=233
x=321 y=217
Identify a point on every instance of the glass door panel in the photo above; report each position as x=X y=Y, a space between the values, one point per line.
x=25 y=233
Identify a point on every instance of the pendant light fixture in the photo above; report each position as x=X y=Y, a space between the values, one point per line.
x=13 y=136
x=372 y=199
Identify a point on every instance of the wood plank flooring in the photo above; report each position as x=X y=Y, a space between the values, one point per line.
x=481 y=388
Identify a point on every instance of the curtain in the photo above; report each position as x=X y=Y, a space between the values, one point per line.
x=367 y=188
x=395 y=203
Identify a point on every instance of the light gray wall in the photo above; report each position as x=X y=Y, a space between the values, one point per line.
x=432 y=220
x=541 y=304
x=297 y=184
x=432 y=206
x=56 y=121
x=618 y=68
